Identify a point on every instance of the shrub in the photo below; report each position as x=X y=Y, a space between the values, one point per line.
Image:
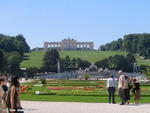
x=43 y=80
x=86 y=76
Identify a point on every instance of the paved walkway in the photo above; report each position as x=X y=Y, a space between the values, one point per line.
x=76 y=107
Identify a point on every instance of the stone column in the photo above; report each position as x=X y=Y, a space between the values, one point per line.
x=91 y=46
x=61 y=46
x=57 y=46
x=45 y=46
x=86 y=47
x=79 y=46
x=82 y=46
x=49 y=45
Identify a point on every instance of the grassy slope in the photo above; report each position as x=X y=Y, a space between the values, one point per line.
x=35 y=58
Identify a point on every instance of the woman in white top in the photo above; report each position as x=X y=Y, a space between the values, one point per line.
x=121 y=87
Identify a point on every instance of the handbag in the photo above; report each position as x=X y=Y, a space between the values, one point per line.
x=3 y=104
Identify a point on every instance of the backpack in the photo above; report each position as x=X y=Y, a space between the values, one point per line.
x=7 y=98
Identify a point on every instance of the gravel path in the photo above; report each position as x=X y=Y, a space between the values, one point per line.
x=76 y=107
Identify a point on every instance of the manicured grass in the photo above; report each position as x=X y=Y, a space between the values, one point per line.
x=91 y=56
x=74 y=91
x=141 y=61
x=57 y=98
x=93 y=99
x=35 y=58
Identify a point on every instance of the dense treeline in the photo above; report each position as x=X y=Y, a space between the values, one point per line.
x=12 y=49
x=68 y=64
x=118 y=62
x=14 y=43
x=132 y=43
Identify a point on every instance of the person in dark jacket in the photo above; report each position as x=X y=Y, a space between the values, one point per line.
x=128 y=88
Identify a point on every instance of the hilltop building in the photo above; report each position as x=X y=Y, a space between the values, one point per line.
x=69 y=45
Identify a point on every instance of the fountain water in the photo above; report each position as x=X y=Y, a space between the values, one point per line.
x=58 y=66
x=135 y=68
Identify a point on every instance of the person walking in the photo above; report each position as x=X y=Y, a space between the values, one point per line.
x=136 y=90
x=128 y=87
x=111 y=85
x=122 y=87
x=14 y=95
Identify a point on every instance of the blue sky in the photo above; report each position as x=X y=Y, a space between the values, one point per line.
x=100 y=21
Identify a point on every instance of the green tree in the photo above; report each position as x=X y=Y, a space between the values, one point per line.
x=6 y=43
x=132 y=43
x=12 y=65
x=1 y=58
x=82 y=63
x=130 y=58
x=86 y=76
x=31 y=71
x=50 y=60
x=65 y=63
x=74 y=63
x=102 y=64
x=118 y=62
x=12 y=43
x=147 y=73
x=21 y=44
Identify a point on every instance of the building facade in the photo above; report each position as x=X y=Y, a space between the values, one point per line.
x=69 y=45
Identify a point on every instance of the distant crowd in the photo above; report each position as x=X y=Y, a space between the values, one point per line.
x=9 y=94
x=126 y=84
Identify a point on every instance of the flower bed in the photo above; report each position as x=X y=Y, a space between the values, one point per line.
x=101 y=86
x=23 y=89
x=56 y=88
x=88 y=89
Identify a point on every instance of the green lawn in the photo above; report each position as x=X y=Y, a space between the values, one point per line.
x=35 y=58
x=141 y=61
x=76 y=91
x=91 y=99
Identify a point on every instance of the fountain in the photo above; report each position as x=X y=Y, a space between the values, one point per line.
x=135 y=68
x=94 y=72
x=58 y=66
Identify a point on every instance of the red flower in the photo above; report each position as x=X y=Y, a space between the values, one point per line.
x=88 y=89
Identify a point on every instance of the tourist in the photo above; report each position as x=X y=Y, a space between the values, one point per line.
x=136 y=90
x=128 y=87
x=111 y=85
x=14 y=95
x=4 y=86
x=122 y=87
x=3 y=106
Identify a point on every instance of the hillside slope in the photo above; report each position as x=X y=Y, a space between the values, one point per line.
x=35 y=58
